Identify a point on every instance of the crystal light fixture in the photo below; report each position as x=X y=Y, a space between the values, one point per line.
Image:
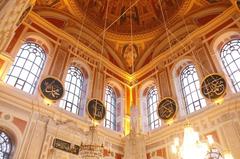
x=192 y=147
x=93 y=147
x=228 y=155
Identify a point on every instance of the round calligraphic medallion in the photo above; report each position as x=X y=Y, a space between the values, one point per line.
x=96 y=109
x=213 y=86
x=51 y=88
x=167 y=108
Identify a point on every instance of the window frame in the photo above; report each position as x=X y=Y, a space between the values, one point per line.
x=216 y=152
x=153 y=119
x=65 y=100
x=227 y=69
x=112 y=122
x=197 y=100
x=9 y=142
x=29 y=59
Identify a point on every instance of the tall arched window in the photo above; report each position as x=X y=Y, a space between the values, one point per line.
x=73 y=90
x=27 y=67
x=110 y=102
x=5 y=146
x=230 y=56
x=214 y=154
x=191 y=89
x=152 y=100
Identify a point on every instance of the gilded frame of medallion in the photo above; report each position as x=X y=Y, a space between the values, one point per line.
x=223 y=94
x=175 y=113
x=55 y=78
x=89 y=113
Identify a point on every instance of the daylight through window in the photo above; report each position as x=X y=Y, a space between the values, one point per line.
x=110 y=103
x=191 y=89
x=27 y=67
x=73 y=90
x=152 y=101
x=230 y=55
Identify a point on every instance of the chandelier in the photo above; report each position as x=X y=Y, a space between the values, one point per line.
x=92 y=148
x=192 y=147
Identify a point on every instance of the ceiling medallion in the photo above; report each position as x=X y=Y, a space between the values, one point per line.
x=51 y=88
x=213 y=86
x=167 y=109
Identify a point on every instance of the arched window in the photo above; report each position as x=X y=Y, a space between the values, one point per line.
x=110 y=103
x=5 y=146
x=191 y=89
x=214 y=154
x=230 y=56
x=73 y=90
x=152 y=100
x=27 y=67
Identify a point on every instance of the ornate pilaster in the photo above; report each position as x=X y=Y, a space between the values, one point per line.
x=12 y=14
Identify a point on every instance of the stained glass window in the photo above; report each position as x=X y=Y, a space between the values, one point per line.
x=152 y=101
x=214 y=154
x=230 y=55
x=5 y=146
x=73 y=90
x=110 y=103
x=191 y=89
x=27 y=67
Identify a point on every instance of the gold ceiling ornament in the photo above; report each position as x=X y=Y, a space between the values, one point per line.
x=146 y=15
x=213 y=87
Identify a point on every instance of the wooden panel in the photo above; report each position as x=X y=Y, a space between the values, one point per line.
x=59 y=63
x=21 y=124
x=203 y=61
x=164 y=84
x=15 y=38
x=1 y=63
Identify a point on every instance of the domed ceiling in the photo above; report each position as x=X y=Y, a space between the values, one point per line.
x=144 y=15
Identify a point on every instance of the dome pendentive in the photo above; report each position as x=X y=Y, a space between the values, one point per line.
x=145 y=16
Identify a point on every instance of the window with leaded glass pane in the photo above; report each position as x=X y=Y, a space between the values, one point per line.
x=230 y=56
x=110 y=103
x=5 y=146
x=73 y=90
x=27 y=67
x=214 y=154
x=152 y=101
x=191 y=89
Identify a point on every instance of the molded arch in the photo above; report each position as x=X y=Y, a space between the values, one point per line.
x=143 y=90
x=175 y=80
x=14 y=134
x=220 y=39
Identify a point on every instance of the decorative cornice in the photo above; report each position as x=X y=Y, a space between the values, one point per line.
x=130 y=78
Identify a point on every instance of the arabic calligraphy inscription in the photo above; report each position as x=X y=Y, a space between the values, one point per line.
x=213 y=86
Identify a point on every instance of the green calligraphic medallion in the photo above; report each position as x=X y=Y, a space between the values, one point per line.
x=213 y=86
x=167 y=109
x=51 y=88
x=96 y=109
